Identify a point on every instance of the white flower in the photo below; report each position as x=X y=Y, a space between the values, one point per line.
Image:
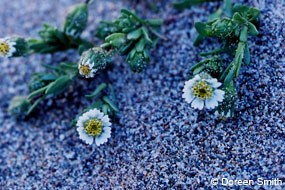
x=92 y=61
x=202 y=91
x=7 y=47
x=86 y=69
x=94 y=125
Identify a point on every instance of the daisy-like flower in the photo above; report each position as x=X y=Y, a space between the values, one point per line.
x=202 y=91
x=86 y=69
x=7 y=47
x=94 y=126
x=92 y=61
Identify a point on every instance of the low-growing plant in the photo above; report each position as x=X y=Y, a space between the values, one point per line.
x=232 y=25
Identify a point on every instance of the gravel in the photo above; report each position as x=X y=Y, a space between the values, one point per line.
x=158 y=141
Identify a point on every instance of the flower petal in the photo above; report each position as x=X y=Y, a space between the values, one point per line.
x=84 y=136
x=198 y=103
x=187 y=91
x=188 y=96
x=106 y=121
x=92 y=114
x=107 y=131
x=219 y=95
x=81 y=120
x=196 y=78
x=103 y=138
x=211 y=103
x=214 y=82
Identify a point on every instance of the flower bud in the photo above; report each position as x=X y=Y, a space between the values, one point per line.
x=76 y=20
x=13 y=47
x=92 y=61
x=222 y=27
x=21 y=47
x=138 y=60
x=213 y=67
x=18 y=107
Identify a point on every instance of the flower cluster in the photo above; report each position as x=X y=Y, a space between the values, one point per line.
x=233 y=29
x=212 y=85
x=129 y=35
x=132 y=36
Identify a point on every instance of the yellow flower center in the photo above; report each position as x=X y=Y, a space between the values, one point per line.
x=4 y=48
x=85 y=70
x=202 y=90
x=93 y=127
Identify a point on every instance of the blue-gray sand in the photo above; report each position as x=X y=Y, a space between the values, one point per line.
x=158 y=141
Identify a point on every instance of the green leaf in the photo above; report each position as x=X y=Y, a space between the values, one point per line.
x=154 y=22
x=132 y=16
x=134 y=34
x=199 y=64
x=238 y=65
x=37 y=92
x=145 y=33
x=249 y=13
x=97 y=90
x=239 y=19
x=224 y=74
x=229 y=76
x=35 y=104
x=140 y=45
x=198 y=70
x=240 y=8
x=110 y=103
x=58 y=85
x=239 y=57
x=202 y=29
x=246 y=54
x=62 y=38
x=132 y=54
x=198 y=40
x=228 y=8
x=252 y=29
x=105 y=109
x=116 y=39
x=48 y=77
x=126 y=48
x=215 y=15
x=243 y=34
x=146 y=55
x=254 y=13
x=68 y=65
x=70 y=69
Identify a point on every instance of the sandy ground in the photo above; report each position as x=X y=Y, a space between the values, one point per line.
x=158 y=141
